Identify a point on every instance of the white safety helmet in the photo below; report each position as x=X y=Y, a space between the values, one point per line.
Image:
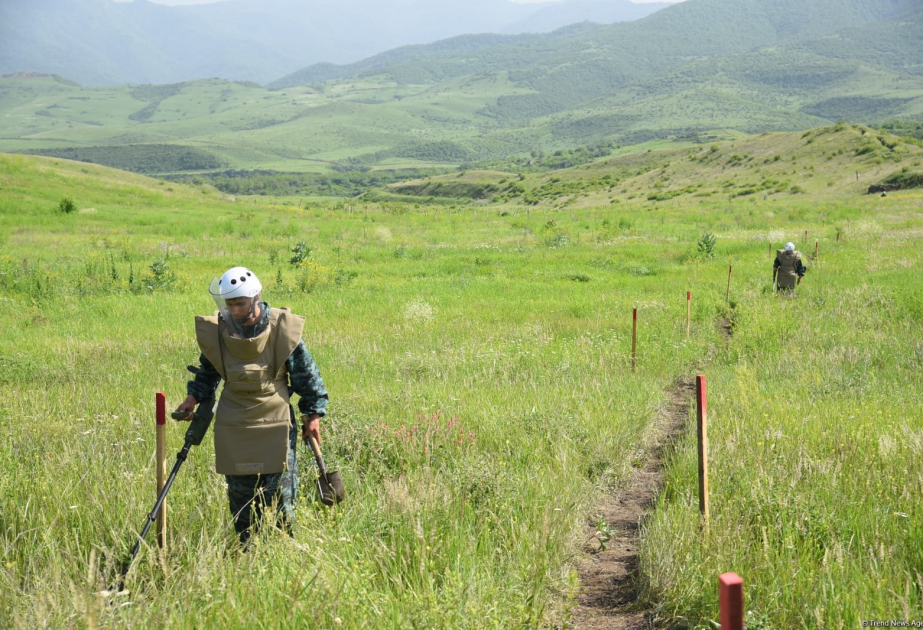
x=236 y=282
x=789 y=247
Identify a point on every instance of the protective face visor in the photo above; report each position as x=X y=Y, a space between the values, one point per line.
x=225 y=313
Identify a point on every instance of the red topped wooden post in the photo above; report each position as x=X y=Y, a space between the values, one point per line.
x=731 y=601
x=816 y=249
x=701 y=408
x=634 y=338
x=160 y=463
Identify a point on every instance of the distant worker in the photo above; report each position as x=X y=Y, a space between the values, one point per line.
x=787 y=270
x=259 y=354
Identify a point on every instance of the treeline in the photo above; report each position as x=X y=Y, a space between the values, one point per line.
x=147 y=159
x=539 y=160
x=262 y=182
x=906 y=128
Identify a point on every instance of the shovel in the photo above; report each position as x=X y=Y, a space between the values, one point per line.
x=329 y=484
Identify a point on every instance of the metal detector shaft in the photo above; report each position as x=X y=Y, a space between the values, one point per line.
x=180 y=458
x=200 y=423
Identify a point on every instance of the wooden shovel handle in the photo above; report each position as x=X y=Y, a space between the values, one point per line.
x=318 y=455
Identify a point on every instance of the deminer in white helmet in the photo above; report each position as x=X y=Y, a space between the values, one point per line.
x=787 y=269
x=259 y=353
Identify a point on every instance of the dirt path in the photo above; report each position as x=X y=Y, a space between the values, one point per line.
x=609 y=579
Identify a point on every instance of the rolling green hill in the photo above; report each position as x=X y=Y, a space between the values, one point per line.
x=822 y=162
x=701 y=69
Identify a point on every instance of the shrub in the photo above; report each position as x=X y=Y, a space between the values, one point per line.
x=301 y=251
x=161 y=276
x=706 y=244
x=67 y=206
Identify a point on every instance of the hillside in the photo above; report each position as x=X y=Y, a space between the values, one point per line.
x=823 y=162
x=702 y=69
x=101 y=42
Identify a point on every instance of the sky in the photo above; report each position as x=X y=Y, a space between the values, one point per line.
x=172 y=2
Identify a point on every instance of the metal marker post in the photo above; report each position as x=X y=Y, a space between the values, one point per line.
x=160 y=463
x=688 y=311
x=701 y=407
x=634 y=338
x=728 y=296
x=731 y=601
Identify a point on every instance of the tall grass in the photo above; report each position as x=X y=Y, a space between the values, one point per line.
x=815 y=439
x=481 y=400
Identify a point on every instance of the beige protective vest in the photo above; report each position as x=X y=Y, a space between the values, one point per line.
x=252 y=420
x=786 y=277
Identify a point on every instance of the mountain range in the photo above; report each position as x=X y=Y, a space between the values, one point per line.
x=100 y=42
x=692 y=72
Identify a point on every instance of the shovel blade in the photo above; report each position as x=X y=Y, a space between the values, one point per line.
x=330 y=488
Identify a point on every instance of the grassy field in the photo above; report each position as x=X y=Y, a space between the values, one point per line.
x=826 y=163
x=481 y=403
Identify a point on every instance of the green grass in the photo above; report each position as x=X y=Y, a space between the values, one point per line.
x=814 y=438
x=474 y=431
x=481 y=403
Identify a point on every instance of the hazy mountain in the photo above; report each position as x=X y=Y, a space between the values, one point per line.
x=571 y=66
x=103 y=42
x=697 y=70
x=554 y=15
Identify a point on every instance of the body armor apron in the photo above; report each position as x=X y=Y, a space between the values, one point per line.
x=253 y=418
x=786 y=276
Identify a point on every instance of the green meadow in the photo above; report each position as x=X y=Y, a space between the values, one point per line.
x=482 y=401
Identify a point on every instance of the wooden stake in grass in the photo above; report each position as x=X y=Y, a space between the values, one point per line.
x=731 y=601
x=688 y=311
x=701 y=408
x=728 y=296
x=634 y=338
x=816 y=249
x=160 y=463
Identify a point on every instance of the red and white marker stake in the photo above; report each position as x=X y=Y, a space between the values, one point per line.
x=731 y=601
x=160 y=463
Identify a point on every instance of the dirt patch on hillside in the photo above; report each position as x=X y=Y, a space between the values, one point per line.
x=610 y=579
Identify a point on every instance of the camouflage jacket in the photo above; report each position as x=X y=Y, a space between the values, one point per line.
x=303 y=374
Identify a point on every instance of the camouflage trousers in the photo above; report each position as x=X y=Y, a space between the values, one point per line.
x=250 y=496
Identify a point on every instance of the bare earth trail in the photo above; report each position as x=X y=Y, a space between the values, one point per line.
x=609 y=579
